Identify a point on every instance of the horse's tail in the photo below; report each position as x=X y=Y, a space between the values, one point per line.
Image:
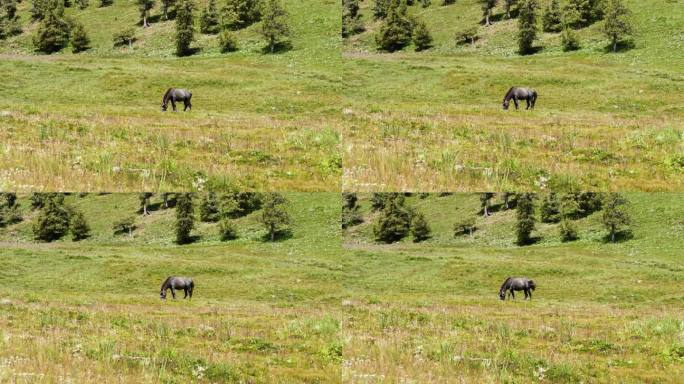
x=192 y=284
x=503 y=286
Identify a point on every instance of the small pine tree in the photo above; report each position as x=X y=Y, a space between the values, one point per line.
x=567 y=230
x=144 y=6
x=420 y=228
x=53 y=31
x=569 y=40
x=79 y=39
x=421 y=36
x=238 y=14
x=227 y=230
x=209 y=20
x=9 y=20
x=617 y=26
x=381 y=8
x=52 y=223
x=274 y=216
x=78 y=226
x=209 y=208
x=550 y=209
x=351 y=18
x=524 y=219
x=185 y=218
x=106 y=3
x=350 y=210
x=185 y=29
x=9 y=209
x=275 y=27
x=616 y=216
x=395 y=221
x=552 y=20
x=125 y=37
x=527 y=26
x=396 y=30
x=82 y=4
x=227 y=41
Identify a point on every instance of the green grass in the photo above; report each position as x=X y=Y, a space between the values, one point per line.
x=432 y=121
x=601 y=312
x=90 y=311
x=92 y=121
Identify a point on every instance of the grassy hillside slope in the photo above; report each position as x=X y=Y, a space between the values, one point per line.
x=433 y=120
x=90 y=311
x=92 y=121
x=601 y=312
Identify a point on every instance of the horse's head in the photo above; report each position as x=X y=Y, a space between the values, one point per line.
x=506 y=103
x=162 y=295
x=502 y=294
x=163 y=107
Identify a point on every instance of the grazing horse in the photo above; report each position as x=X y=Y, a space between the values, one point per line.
x=176 y=94
x=517 y=284
x=517 y=93
x=175 y=282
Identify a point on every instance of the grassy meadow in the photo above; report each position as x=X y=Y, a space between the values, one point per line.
x=601 y=313
x=433 y=121
x=90 y=311
x=92 y=121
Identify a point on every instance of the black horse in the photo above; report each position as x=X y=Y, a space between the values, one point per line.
x=173 y=283
x=176 y=94
x=518 y=93
x=517 y=284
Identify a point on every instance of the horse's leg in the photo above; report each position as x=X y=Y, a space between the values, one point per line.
x=512 y=294
x=191 y=292
x=173 y=105
x=528 y=103
x=173 y=293
x=185 y=293
x=515 y=101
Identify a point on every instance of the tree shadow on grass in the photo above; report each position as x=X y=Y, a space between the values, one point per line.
x=622 y=46
x=279 y=236
x=277 y=49
x=620 y=237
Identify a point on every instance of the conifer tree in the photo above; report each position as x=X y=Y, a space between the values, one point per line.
x=238 y=14
x=78 y=226
x=421 y=36
x=395 y=221
x=420 y=229
x=275 y=27
x=617 y=25
x=82 y=4
x=552 y=20
x=185 y=29
x=396 y=30
x=9 y=20
x=52 y=222
x=350 y=210
x=274 y=215
x=185 y=218
x=616 y=216
x=351 y=18
x=53 y=31
x=79 y=39
x=550 y=209
x=209 y=20
x=209 y=208
x=527 y=29
x=525 y=219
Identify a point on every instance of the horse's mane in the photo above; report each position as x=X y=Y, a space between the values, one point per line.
x=166 y=282
x=166 y=94
x=504 y=283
